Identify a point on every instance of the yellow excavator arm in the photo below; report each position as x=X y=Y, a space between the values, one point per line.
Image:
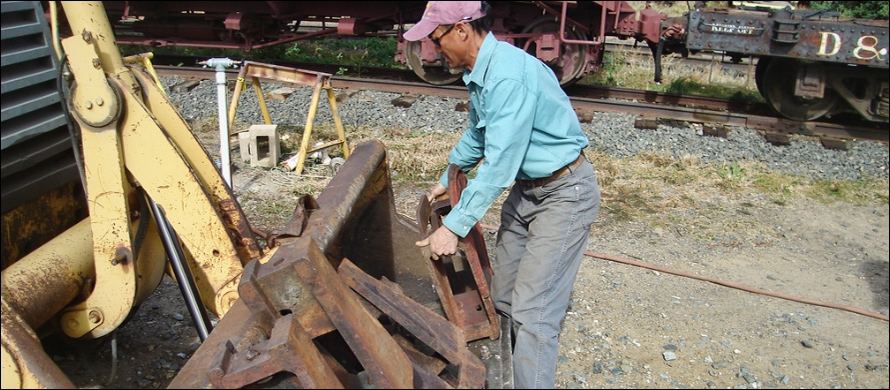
x=152 y=192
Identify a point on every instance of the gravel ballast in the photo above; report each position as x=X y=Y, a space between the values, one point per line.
x=611 y=133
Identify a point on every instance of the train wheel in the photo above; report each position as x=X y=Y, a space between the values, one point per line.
x=778 y=84
x=759 y=71
x=574 y=56
x=436 y=75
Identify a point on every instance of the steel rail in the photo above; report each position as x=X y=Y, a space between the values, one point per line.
x=644 y=104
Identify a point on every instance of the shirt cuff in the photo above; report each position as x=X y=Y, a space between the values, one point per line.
x=459 y=224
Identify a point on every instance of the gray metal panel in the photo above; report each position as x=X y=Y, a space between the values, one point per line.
x=858 y=42
x=24 y=55
x=30 y=100
x=10 y=6
x=36 y=146
x=21 y=28
x=50 y=144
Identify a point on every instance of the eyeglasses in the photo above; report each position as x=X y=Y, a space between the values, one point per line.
x=436 y=40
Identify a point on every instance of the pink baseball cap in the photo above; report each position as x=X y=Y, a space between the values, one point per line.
x=439 y=13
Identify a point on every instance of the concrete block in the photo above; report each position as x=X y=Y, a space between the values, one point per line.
x=185 y=86
x=280 y=93
x=264 y=146
x=244 y=145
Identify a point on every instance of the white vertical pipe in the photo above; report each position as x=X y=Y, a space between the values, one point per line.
x=220 y=64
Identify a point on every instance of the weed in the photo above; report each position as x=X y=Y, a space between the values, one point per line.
x=732 y=175
x=857 y=192
x=687 y=86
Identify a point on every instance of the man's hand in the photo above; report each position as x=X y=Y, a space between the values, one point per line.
x=435 y=192
x=443 y=242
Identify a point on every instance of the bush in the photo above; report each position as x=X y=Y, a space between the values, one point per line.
x=853 y=9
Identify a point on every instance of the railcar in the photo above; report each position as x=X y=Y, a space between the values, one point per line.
x=809 y=64
x=568 y=36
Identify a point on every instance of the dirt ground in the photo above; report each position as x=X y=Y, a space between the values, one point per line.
x=632 y=326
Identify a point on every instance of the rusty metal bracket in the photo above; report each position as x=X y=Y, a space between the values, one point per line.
x=461 y=281
x=297 y=224
x=289 y=348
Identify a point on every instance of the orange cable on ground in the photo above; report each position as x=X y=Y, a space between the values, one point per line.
x=728 y=284
x=739 y=286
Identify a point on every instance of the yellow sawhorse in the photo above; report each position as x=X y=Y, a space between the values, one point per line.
x=318 y=80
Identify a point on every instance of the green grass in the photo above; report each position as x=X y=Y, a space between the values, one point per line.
x=373 y=52
x=625 y=68
x=346 y=51
x=858 y=192
x=687 y=86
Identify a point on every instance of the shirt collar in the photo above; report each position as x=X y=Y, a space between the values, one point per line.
x=483 y=58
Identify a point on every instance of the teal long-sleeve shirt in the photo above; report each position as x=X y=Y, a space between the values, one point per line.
x=522 y=126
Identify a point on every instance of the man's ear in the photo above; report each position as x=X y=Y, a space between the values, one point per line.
x=463 y=29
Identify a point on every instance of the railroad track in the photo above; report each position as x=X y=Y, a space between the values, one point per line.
x=717 y=116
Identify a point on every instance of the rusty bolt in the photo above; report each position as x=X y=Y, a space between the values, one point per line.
x=217 y=373
x=252 y=354
x=228 y=300
x=95 y=316
x=86 y=36
x=96 y=63
x=119 y=258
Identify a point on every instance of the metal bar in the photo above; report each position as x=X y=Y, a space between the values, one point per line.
x=354 y=217
x=183 y=273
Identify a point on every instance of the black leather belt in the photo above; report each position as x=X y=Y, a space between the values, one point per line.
x=556 y=175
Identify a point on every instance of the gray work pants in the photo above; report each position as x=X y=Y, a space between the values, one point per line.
x=540 y=244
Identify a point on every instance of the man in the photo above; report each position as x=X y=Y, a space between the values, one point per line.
x=522 y=129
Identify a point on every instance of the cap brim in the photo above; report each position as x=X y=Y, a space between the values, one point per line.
x=420 y=30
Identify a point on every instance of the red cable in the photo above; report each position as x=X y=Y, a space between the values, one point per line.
x=727 y=284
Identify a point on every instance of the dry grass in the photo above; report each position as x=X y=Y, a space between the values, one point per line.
x=688 y=196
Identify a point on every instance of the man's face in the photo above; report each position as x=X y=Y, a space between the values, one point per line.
x=447 y=42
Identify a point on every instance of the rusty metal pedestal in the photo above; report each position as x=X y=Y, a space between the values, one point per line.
x=462 y=280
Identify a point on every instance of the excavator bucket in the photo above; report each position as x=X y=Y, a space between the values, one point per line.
x=343 y=299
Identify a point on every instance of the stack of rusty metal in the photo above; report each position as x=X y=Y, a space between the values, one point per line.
x=343 y=300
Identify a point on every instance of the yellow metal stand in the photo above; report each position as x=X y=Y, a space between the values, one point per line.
x=318 y=80
x=145 y=60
